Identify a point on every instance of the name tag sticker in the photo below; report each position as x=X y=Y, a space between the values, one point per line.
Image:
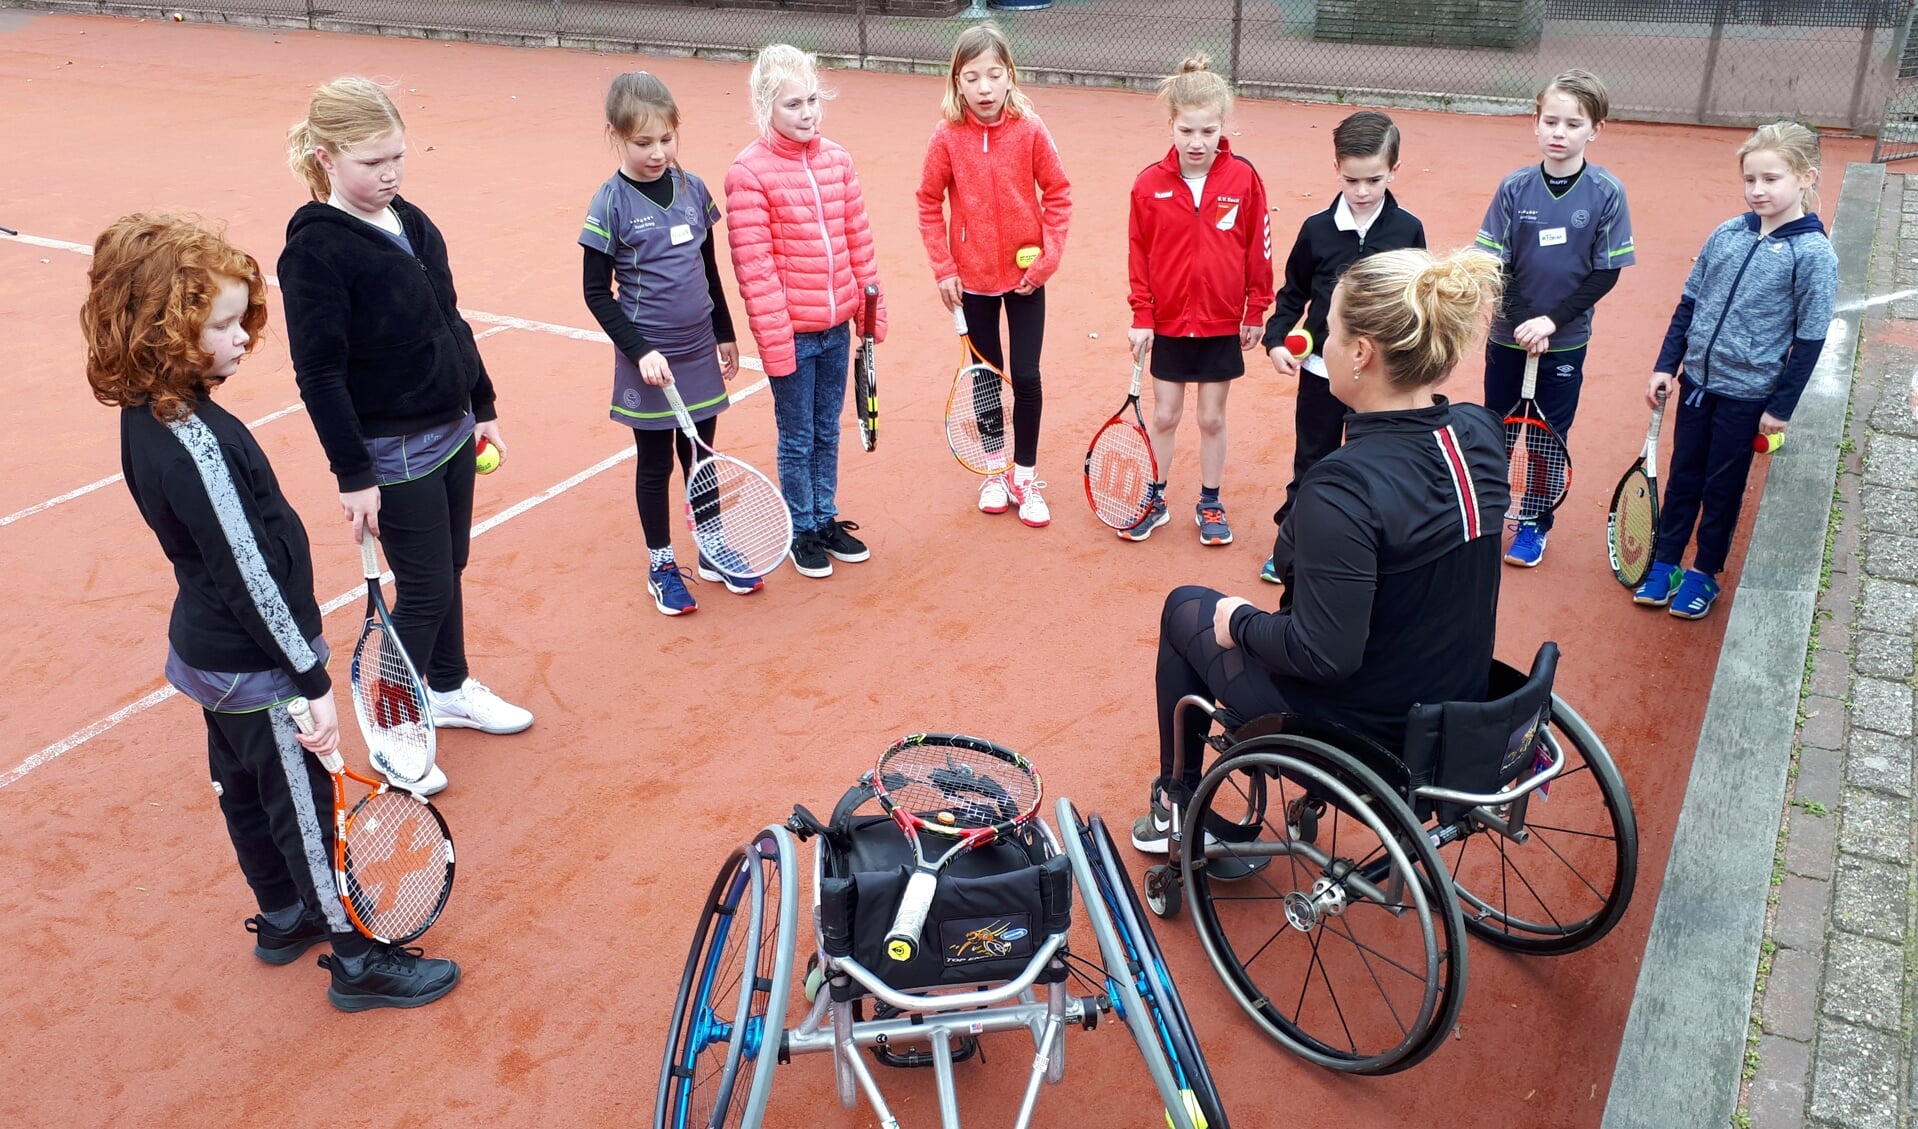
x=1551 y=236
x=683 y=233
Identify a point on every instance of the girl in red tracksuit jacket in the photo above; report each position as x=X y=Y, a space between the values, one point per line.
x=802 y=251
x=1002 y=240
x=1201 y=270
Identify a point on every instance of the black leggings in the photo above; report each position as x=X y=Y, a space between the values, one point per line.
x=1192 y=662
x=654 y=473
x=426 y=527
x=1026 y=328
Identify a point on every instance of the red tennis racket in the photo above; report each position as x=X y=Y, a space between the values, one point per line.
x=1120 y=467
x=388 y=697
x=955 y=789
x=1540 y=466
x=392 y=854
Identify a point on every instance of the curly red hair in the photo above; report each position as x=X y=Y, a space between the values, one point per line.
x=150 y=290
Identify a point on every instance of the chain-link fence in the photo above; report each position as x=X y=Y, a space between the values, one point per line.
x=1834 y=63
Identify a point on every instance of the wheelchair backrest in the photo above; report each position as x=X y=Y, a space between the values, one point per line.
x=1483 y=746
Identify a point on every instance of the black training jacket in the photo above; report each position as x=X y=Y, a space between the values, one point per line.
x=1320 y=254
x=379 y=346
x=1390 y=559
x=239 y=552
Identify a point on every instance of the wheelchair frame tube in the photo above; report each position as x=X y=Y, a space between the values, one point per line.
x=1500 y=798
x=908 y=1001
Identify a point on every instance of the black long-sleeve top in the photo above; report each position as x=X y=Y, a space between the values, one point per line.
x=1320 y=255
x=598 y=284
x=240 y=554
x=1390 y=559
x=378 y=343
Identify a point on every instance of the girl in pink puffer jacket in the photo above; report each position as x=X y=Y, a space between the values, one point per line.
x=802 y=252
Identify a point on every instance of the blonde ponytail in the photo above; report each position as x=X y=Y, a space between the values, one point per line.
x=1424 y=313
x=343 y=113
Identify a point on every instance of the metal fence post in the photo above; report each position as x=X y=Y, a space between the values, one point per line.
x=1867 y=39
x=1238 y=23
x=859 y=15
x=559 y=22
x=1711 y=62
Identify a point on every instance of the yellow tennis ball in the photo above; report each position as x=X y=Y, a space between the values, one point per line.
x=1192 y=1111
x=486 y=461
x=1026 y=257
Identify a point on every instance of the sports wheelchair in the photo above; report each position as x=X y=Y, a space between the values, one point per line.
x=1335 y=880
x=997 y=958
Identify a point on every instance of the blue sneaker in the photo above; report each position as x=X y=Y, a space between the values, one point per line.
x=1528 y=546
x=1212 y=527
x=734 y=573
x=1656 y=591
x=1154 y=518
x=1695 y=595
x=668 y=586
x=1270 y=572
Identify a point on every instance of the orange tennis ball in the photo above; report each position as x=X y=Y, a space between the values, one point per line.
x=486 y=459
x=1299 y=343
x=1026 y=257
x=179 y=17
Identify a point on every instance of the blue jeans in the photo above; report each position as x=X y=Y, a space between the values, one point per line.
x=806 y=406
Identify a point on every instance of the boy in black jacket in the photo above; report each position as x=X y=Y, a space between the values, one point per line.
x=171 y=311
x=1364 y=220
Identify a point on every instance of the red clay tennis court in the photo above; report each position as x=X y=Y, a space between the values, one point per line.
x=586 y=842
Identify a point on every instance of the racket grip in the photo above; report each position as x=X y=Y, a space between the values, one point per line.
x=301 y=711
x=369 y=558
x=959 y=320
x=902 y=940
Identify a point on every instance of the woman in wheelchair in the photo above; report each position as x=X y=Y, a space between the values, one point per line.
x=1390 y=556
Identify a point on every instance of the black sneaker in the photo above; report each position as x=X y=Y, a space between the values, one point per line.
x=276 y=947
x=836 y=538
x=809 y=554
x=390 y=976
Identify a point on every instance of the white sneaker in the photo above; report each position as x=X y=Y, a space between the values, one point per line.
x=993 y=498
x=1032 y=508
x=433 y=785
x=473 y=706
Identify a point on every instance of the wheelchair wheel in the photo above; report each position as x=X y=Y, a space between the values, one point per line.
x=1162 y=890
x=730 y=1013
x=1335 y=927
x=1568 y=884
x=1137 y=983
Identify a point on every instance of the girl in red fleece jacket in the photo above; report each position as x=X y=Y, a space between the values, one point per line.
x=983 y=163
x=1201 y=271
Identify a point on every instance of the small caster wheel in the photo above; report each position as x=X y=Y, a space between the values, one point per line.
x=1162 y=890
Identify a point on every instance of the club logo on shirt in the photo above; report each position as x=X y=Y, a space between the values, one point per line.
x=631 y=398
x=1226 y=216
x=1581 y=217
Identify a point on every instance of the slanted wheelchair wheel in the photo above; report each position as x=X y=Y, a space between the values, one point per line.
x=730 y=1012
x=1137 y=983
x=1568 y=884
x=1342 y=939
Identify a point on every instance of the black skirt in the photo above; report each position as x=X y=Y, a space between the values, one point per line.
x=1197 y=360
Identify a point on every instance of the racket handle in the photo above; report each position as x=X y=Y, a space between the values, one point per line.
x=902 y=940
x=301 y=711
x=369 y=558
x=959 y=320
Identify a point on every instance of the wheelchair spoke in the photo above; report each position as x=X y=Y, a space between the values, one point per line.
x=1340 y=928
x=1331 y=994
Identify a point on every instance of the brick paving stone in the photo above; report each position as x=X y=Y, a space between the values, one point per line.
x=1799 y=922
x=1891 y=416
x=1890 y=606
x=1864 y=981
x=1824 y=726
x=1854 y=1077
x=1875 y=825
x=1892 y=556
x=1838 y=595
x=1891 y=460
x=1791 y=993
x=1868 y=897
x=1820 y=772
x=1831 y=674
x=1812 y=847
x=1777 y=1098
x=1888 y=510
x=1883 y=706
x=1879 y=762
x=1882 y=656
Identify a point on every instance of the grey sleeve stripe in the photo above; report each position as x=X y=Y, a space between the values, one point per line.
x=203 y=447
x=312 y=839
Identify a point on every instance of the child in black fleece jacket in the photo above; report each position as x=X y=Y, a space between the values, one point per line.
x=245 y=636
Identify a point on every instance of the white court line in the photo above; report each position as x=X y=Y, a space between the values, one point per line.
x=134 y=709
x=1872 y=303
x=500 y=323
x=113 y=478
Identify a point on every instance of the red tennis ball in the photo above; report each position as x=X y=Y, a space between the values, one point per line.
x=1299 y=343
x=486 y=459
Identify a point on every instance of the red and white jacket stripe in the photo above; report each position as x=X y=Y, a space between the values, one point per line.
x=801 y=244
x=1205 y=270
x=985 y=176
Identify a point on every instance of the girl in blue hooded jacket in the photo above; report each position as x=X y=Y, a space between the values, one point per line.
x=1742 y=344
